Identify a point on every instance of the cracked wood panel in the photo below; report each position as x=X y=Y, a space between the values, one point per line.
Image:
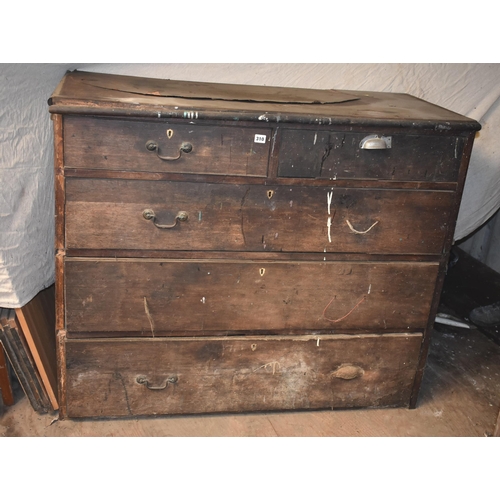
x=106 y=295
x=337 y=155
x=99 y=143
x=93 y=93
x=104 y=86
x=108 y=214
x=106 y=378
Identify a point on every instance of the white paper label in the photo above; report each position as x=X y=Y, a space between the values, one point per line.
x=260 y=138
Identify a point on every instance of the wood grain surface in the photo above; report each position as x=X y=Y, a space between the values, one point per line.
x=337 y=155
x=273 y=225
x=121 y=145
x=128 y=295
x=108 y=214
x=232 y=375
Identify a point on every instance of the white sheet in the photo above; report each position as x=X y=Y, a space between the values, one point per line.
x=26 y=192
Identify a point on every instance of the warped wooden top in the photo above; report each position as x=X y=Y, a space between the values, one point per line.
x=117 y=95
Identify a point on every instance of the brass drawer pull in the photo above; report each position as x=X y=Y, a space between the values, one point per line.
x=186 y=147
x=348 y=372
x=149 y=214
x=144 y=381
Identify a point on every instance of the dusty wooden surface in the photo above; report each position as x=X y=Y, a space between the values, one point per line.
x=336 y=155
x=108 y=214
x=208 y=295
x=460 y=396
x=121 y=145
x=96 y=93
x=207 y=375
x=209 y=172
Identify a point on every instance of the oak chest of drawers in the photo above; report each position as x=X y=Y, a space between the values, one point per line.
x=226 y=248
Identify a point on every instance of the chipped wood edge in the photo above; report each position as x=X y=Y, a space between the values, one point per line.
x=60 y=201
x=61 y=368
x=317 y=339
x=496 y=432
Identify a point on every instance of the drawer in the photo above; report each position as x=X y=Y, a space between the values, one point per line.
x=174 y=376
x=109 y=214
x=338 y=155
x=99 y=143
x=148 y=297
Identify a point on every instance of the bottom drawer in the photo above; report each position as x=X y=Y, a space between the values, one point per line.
x=214 y=374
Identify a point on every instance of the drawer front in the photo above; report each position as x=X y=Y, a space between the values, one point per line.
x=98 y=143
x=175 y=376
x=160 y=297
x=338 y=155
x=109 y=214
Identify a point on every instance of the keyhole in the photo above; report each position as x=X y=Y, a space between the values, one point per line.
x=262 y=271
x=170 y=133
x=270 y=193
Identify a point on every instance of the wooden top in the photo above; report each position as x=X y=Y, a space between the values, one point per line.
x=114 y=95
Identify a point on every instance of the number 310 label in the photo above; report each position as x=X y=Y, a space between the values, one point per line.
x=259 y=138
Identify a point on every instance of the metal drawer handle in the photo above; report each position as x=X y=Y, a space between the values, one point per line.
x=348 y=372
x=149 y=214
x=186 y=147
x=144 y=381
x=376 y=142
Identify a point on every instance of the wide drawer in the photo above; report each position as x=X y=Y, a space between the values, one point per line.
x=174 y=376
x=110 y=214
x=339 y=155
x=160 y=297
x=99 y=143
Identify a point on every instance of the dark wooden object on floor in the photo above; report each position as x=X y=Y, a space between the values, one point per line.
x=469 y=284
x=5 y=386
x=22 y=362
x=37 y=322
x=281 y=248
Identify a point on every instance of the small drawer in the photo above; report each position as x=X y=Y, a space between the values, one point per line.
x=177 y=376
x=146 y=146
x=348 y=155
x=141 y=297
x=162 y=215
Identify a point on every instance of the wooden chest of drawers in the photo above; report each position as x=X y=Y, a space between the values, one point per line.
x=225 y=248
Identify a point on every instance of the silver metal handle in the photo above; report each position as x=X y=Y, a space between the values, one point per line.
x=376 y=142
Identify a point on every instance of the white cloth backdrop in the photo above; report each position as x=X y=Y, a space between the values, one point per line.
x=26 y=170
